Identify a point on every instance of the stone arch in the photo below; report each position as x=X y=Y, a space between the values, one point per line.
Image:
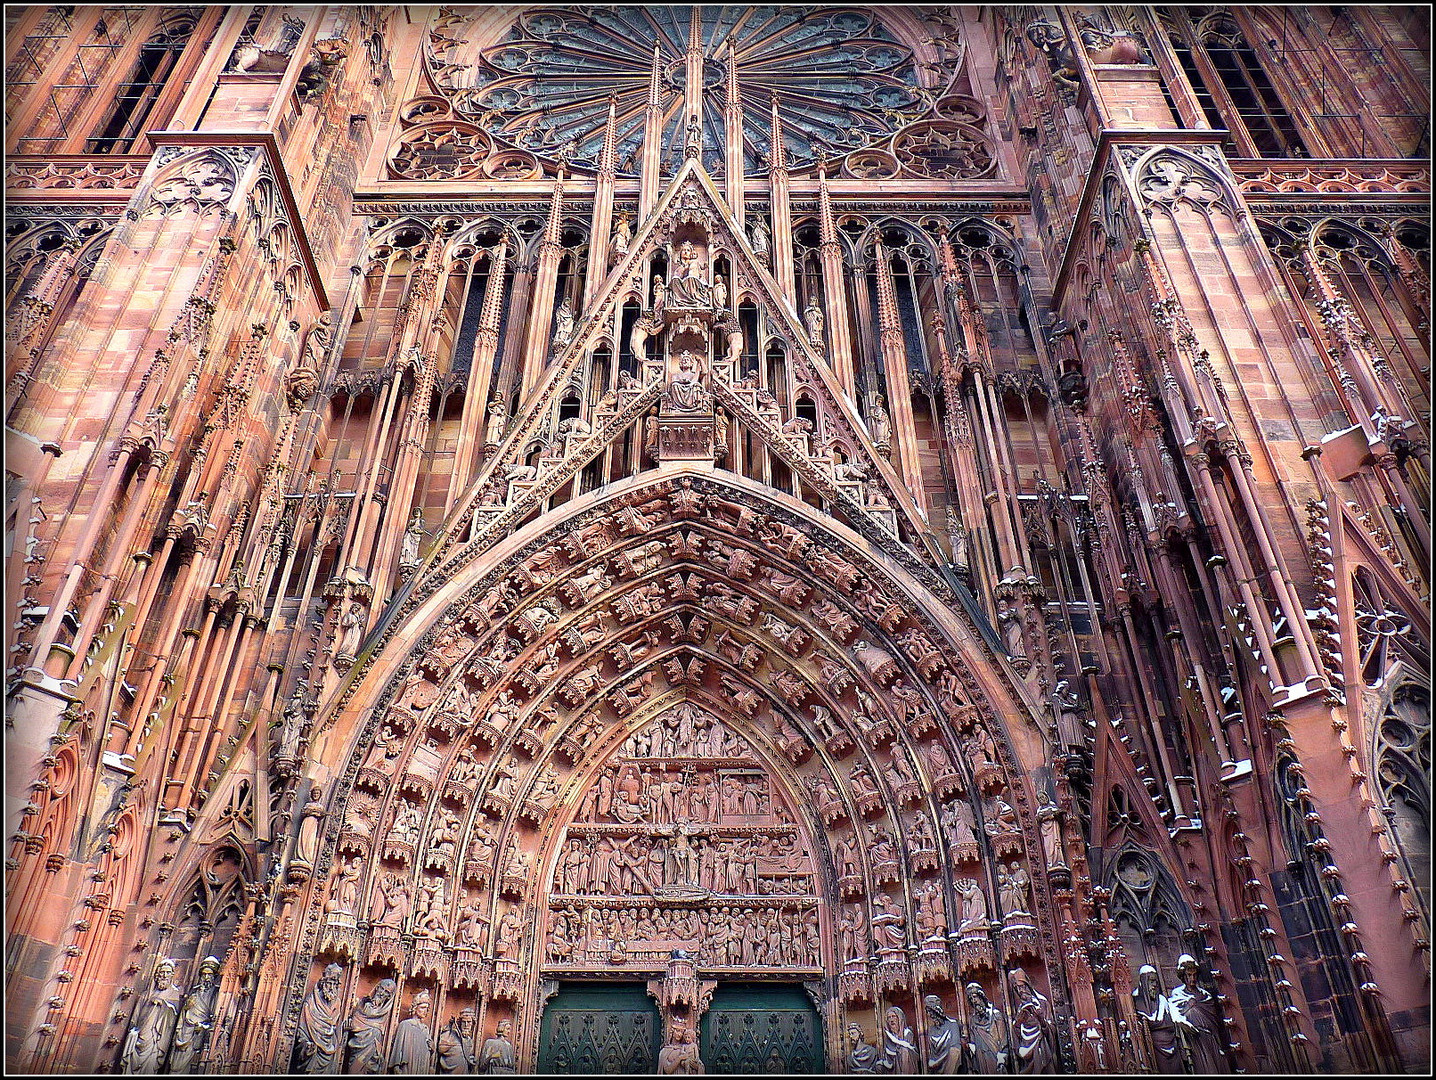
x=659 y=590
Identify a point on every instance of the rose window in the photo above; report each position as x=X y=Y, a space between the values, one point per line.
x=842 y=82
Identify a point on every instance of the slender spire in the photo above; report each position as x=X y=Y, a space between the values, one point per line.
x=777 y=157
x=608 y=156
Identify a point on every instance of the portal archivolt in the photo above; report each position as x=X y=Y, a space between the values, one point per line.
x=685 y=715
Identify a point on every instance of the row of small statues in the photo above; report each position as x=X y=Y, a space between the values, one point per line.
x=990 y=1042
x=726 y=936
x=323 y=1041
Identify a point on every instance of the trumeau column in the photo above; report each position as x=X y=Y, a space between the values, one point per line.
x=652 y=138
x=894 y=354
x=782 y=210
x=840 y=341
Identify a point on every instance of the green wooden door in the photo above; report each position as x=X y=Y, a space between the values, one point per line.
x=761 y=1029
x=599 y=1028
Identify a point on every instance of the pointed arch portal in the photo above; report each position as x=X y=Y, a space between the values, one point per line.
x=678 y=731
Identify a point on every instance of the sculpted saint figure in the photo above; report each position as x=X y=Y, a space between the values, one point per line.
x=974 y=906
x=351 y=626
x=563 y=323
x=899 y=1047
x=944 y=1039
x=686 y=392
x=413 y=1051
x=813 y=320
x=1155 y=1013
x=688 y=286
x=149 y=1037
x=622 y=234
x=987 y=1046
x=758 y=236
x=316 y=1039
x=364 y=1049
x=720 y=293
x=1034 y=1030
x=1201 y=1017
x=456 y=1045
x=196 y=1019
x=497 y=1054
x=863 y=1057
x=413 y=537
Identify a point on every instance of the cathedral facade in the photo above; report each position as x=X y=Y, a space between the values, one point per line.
x=746 y=539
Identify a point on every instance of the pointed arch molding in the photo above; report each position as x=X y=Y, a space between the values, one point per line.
x=531 y=665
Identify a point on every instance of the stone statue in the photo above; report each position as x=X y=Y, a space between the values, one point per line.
x=720 y=293
x=456 y=1045
x=1012 y=890
x=1010 y=623
x=1201 y=1018
x=758 y=237
x=899 y=1053
x=364 y=1049
x=498 y=416
x=413 y=537
x=345 y=896
x=1049 y=823
x=1161 y=1021
x=1034 y=1029
x=563 y=323
x=622 y=234
x=863 y=1056
x=685 y=391
x=316 y=1038
x=660 y=295
x=879 y=424
x=154 y=1022
x=944 y=1039
x=351 y=628
x=813 y=320
x=987 y=1045
x=680 y=1057
x=413 y=1051
x=306 y=846
x=196 y=1019
x=974 y=906
x=497 y=1054
x=689 y=286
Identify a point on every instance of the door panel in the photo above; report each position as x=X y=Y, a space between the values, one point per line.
x=761 y=1030
x=607 y=1028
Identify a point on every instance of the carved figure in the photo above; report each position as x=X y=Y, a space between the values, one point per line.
x=1012 y=887
x=944 y=1039
x=1049 y=823
x=622 y=234
x=862 y=1055
x=364 y=1049
x=688 y=286
x=880 y=425
x=498 y=416
x=196 y=1019
x=680 y=1056
x=413 y=1051
x=351 y=627
x=456 y=1045
x=316 y=1038
x=563 y=323
x=987 y=1044
x=889 y=924
x=899 y=1047
x=497 y=1053
x=1198 y=1010
x=686 y=391
x=813 y=320
x=720 y=292
x=413 y=537
x=392 y=902
x=1161 y=1021
x=974 y=906
x=758 y=236
x=1033 y=1027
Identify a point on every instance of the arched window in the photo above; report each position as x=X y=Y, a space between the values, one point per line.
x=1402 y=756
x=137 y=96
x=1231 y=86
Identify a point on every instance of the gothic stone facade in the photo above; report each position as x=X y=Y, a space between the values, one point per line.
x=784 y=538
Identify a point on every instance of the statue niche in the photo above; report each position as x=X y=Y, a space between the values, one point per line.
x=683 y=842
